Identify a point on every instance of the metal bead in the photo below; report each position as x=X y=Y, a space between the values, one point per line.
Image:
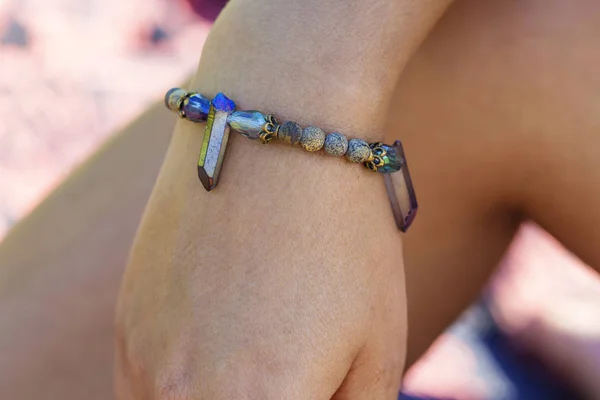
x=249 y=123
x=336 y=144
x=173 y=97
x=358 y=151
x=312 y=139
x=269 y=130
x=223 y=103
x=290 y=132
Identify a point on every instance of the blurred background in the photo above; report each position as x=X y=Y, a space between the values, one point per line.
x=49 y=52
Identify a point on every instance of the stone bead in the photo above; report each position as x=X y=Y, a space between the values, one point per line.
x=196 y=108
x=336 y=144
x=249 y=123
x=312 y=139
x=290 y=132
x=358 y=151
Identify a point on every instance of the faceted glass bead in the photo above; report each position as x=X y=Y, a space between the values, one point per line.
x=196 y=108
x=385 y=159
x=249 y=123
x=391 y=162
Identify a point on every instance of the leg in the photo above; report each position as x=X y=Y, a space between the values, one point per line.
x=497 y=115
x=60 y=269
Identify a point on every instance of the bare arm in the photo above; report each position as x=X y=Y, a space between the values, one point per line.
x=60 y=269
x=287 y=280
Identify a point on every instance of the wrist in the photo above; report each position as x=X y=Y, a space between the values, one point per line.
x=269 y=56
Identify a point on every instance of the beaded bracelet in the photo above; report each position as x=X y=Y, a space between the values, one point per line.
x=220 y=114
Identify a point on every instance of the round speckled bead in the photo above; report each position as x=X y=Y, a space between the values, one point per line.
x=358 y=151
x=336 y=144
x=290 y=132
x=312 y=139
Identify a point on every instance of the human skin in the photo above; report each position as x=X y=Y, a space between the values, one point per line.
x=61 y=266
x=514 y=136
x=487 y=77
x=256 y=290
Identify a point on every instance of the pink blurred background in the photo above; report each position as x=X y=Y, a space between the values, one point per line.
x=109 y=59
x=101 y=61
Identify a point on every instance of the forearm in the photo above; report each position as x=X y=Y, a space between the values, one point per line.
x=69 y=255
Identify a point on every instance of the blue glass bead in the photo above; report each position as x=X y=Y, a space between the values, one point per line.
x=196 y=108
x=249 y=123
x=223 y=103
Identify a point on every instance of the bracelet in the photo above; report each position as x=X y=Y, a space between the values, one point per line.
x=220 y=115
